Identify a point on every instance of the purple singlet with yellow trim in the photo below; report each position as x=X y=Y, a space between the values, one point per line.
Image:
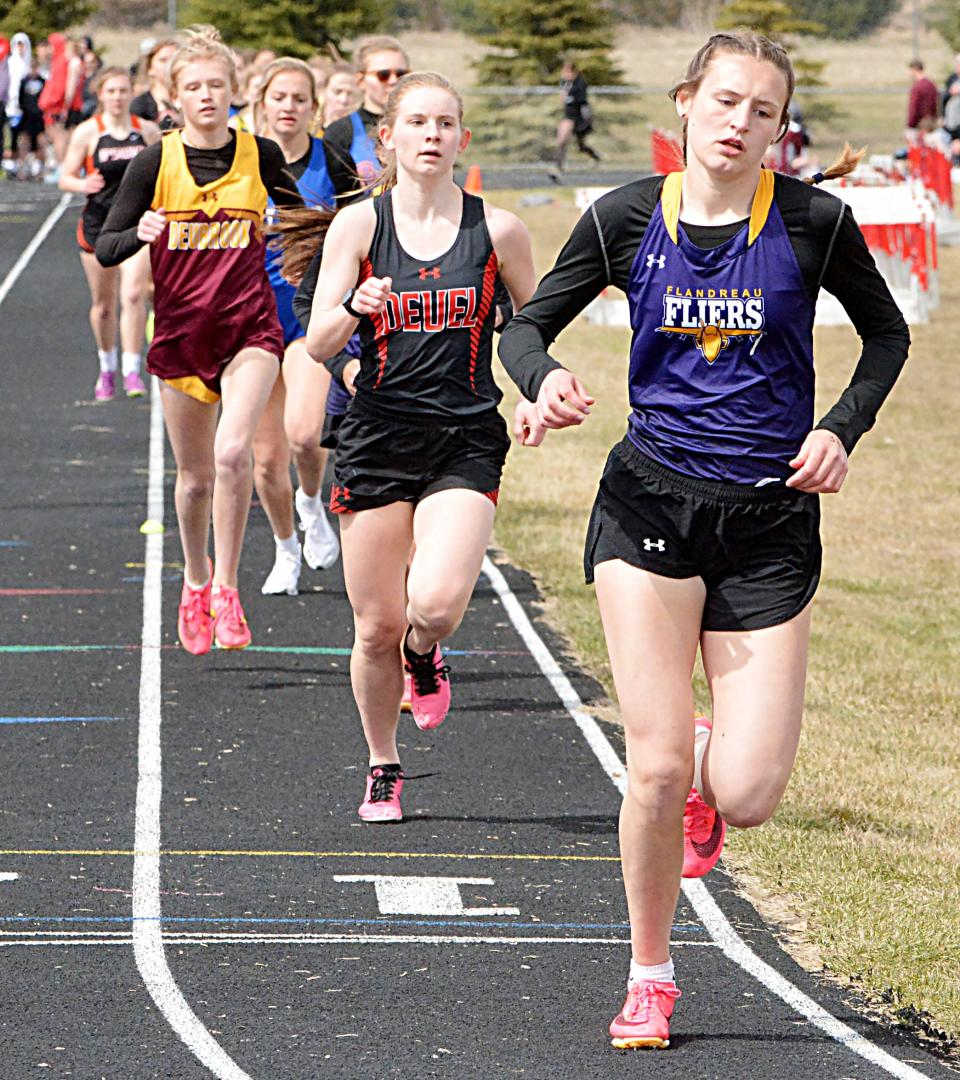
x=721 y=362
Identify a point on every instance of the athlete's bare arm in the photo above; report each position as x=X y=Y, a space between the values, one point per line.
x=345 y=246
x=511 y=242
x=72 y=176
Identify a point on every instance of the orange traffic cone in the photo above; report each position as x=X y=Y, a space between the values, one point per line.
x=474 y=182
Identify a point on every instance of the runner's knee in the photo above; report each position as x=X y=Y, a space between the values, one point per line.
x=659 y=781
x=378 y=634
x=233 y=457
x=746 y=809
x=195 y=484
x=434 y=616
x=304 y=439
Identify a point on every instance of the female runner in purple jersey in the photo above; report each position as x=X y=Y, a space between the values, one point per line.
x=705 y=529
x=422 y=446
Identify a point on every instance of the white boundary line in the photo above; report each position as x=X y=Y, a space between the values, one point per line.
x=147 y=934
x=28 y=252
x=695 y=891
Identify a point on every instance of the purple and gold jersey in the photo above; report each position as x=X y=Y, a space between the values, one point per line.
x=721 y=361
x=213 y=297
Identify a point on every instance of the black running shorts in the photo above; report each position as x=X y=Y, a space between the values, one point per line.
x=757 y=549
x=383 y=459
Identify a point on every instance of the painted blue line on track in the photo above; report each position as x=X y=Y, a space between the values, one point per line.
x=56 y=719
x=306 y=921
x=14 y=543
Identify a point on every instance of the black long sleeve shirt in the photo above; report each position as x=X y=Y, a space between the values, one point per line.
x=604 y=244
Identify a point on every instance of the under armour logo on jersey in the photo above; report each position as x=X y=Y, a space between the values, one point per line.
x=654 y=545
x=658 y=261
x=433 y=272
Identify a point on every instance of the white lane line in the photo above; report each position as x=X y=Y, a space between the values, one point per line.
x=8 y=875
x=335 y=939
x=147 y=935
x=695 y=891
x=28 y=252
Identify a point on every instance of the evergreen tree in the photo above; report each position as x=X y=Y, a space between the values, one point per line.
x=778 y=21
x=851 y=19
x=41 y=17
x=533 y=36
x=946 y=21
x=291 y=27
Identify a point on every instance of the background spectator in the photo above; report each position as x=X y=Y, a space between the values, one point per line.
x=924 y=104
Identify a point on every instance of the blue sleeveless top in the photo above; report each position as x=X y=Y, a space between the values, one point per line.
x=721 y=361
x=317 y=189
x=363 y=150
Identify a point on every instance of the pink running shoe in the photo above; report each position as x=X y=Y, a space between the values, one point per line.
x=382 y=799
x=429 y=687
x=133 y=385
x=106 y=385
x=703 y=829
x=195 y=620
x=230 y=630
x=644 y=1020
x=405 y=705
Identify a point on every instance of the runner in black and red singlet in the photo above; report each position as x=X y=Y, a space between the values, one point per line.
x=421 y=449
x=100 y=150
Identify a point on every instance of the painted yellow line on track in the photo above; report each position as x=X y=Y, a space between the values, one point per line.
x=203 y=853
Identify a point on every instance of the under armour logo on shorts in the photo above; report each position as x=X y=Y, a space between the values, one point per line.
x=659 y=261
x=654 y=545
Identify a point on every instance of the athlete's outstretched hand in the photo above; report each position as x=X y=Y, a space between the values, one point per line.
x=370 y=296
x=93 y=182
x=151 y=225
x=562 y=401
x=821 y=464
x=528 y=427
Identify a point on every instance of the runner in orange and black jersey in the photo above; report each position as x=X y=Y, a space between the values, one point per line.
x=100 y=151
x=422 y=447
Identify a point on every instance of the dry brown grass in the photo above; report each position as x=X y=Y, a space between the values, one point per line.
x=861 y=860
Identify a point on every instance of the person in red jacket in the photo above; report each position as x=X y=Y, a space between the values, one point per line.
x=924 y=104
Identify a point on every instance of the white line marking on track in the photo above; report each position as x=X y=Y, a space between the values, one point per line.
x=412 y=895
x=696 y=892
x=124 y=938
x=147 y=935
x=30 y=250
x=8 y=875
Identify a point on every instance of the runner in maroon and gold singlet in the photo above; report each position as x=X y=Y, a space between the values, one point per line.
x=198 y=199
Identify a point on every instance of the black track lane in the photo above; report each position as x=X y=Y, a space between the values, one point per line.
x=262 y=772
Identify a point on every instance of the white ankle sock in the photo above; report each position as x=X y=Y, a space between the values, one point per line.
x=654 y=973
x=291 y=545
x=130 y=363
x=108 y=359
x=701 y=740
x=311 y=504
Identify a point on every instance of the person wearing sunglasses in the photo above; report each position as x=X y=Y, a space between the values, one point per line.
x=351 y=142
